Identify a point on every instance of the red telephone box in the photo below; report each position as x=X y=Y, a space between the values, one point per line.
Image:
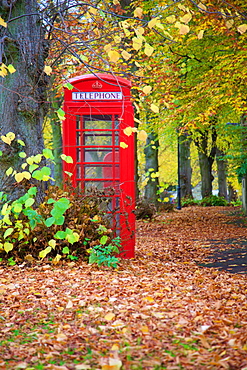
x=98 y=109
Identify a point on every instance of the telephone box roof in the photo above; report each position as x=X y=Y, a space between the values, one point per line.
x=104 y=77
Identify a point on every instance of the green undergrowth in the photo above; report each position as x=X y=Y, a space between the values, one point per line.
x=66 y=224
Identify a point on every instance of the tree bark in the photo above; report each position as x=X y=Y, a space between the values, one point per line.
x=185 y=166
x=22 y=93
x=206 y=160
x=222 y=173
x=151 y=157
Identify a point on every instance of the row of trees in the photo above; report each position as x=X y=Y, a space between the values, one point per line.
x=186 y=60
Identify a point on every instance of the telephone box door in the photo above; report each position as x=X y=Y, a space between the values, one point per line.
x=103 y=155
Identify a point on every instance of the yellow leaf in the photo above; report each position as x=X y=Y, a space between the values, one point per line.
x=153 y=22
x=242 y=29
x=142 y=135
x=26 y=175
x=137 y=43
x=56 y=259
x=19 y=177
x=126 y=55
x=115 y=2
x=201 y=6
x=148 y=50
x=48 y=70
x=109 y=316
x=11 y=68
x=52 y=243
x=139 y=32
x=154 y=108
x=123 y=145
x=128 y=131
x=93 y=11
x=8 y=247
x=183 y=28
x=171 y=19
x=107 y=47
x=2 y=22
x=144 y=329
x=138 y=12
x=6 y=140
x=117 y=39
x=147 y=89
x=229 y=23
x=186 y=18
x=114 y=56
x=159 y=25
x=11 y=136
x=44 y=252
x=200 y=35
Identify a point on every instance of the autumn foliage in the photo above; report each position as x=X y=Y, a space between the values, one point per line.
x=159 y=311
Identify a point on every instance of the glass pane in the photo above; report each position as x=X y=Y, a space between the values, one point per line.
x=97 y=122
x=94 y=172
x=96 y=155
x=102 y=172
x=99 y=138
x=89 y=185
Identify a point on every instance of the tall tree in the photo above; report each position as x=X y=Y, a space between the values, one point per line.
x=22 y=92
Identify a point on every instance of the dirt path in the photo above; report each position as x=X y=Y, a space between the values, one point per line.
x=158 y=311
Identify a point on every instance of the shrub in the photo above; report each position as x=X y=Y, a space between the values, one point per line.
x=67 y=223
x=188 y=202
x=213 y=200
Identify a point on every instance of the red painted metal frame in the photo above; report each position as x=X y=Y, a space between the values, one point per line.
x=119 y=162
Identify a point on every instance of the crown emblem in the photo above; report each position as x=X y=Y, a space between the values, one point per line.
x=97 y=85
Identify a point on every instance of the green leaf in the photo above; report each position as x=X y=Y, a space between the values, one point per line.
x=47 y=153
x=67 y=158
x=50 y=221
x=59 y=220
x=65 y=250
x=68 y=86
x=8 y=232
x=29 y=202
x=22 y=155
x=61 y=114
x=103 y=239
x=33 y=167
x=32 y=191
x=1 y=153
x=21 y=142
x=50 y=200
x=73 y=238
x=60 y=235
x=17 y=207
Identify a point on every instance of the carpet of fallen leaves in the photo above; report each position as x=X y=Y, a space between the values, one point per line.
x=158 y=311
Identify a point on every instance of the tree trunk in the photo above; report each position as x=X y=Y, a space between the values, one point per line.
x=185 y=166
x=151 y=167
x=22 y=93
x=222 y=173
x=206 y=159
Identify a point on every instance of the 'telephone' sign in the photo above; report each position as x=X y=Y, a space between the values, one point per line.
x=97 y=95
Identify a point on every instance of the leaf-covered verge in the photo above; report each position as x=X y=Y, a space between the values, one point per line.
x=158 y=311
